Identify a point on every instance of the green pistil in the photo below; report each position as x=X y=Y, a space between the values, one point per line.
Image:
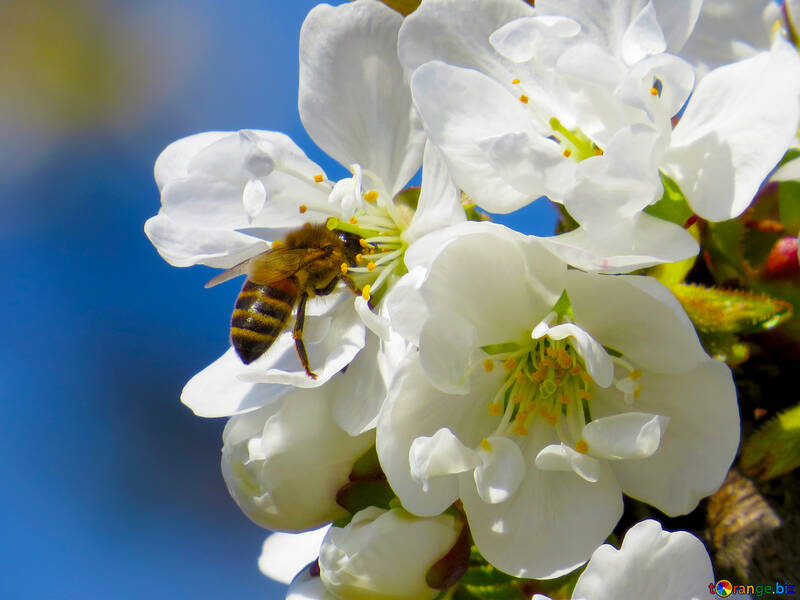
x=579 y=146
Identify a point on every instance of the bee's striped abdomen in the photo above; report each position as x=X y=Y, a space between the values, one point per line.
x=260 y=314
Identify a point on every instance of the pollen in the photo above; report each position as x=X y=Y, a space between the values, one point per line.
x=365 y=292
x=370 y=266
x=319 y=177
x=576 y=370
x=495 y=409
x=510 y=364
x=371 y=195
x=359 y=257
x=598 y=152
x=517 y=399
x=567 y=153
x=551 y=418
x=654 y=91
x=486 y=445
x=364 y=244
x=635 y=374
x=303 y=208
x=488 y=365
x=515 y=81
x=582 y=446
x=564 y=399
x=524 y=99
x=586 y=377
x=564 y=359
x=353 y=220
x=520 y=429
x=584 y=395
x=520 y=377
x=278 y=244
x=344 y=268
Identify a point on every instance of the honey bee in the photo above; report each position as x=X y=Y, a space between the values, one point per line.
x=310 y=262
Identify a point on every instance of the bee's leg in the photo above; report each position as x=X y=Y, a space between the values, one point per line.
x=328 y=288
x=298 y=335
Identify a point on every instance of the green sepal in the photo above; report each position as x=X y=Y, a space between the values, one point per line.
x=409 y=196
x=404 y=7
x=367 y=466
x=563 y=307
x=673 y=205
x=721 y=311
x=774 y=449
x=358 y=495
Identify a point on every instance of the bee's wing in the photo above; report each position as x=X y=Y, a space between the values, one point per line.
x=280 y=264
x=240 y=269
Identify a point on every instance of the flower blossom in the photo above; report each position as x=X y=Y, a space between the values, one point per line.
x=539 y=394
x=575 y=100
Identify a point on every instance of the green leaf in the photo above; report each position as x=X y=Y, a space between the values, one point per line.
x=774 y=449
x=358 y=495
x=720 y=311
x=672 y=206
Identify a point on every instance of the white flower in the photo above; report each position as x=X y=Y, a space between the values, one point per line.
x=538 y=414
x=385 y=555
x=651 y=563
x=284 y=463
x=573 y=101
x=285 y=555
x=225 y=196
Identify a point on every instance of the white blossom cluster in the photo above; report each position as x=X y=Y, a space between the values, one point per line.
x=511 y=384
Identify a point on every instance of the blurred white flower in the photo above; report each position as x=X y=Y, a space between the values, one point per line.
x=651 y=563
x=385 y=555
x=284 y=463
x=538 y=413
x=285 y=555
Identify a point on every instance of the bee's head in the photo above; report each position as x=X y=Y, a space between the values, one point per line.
x=352 y=245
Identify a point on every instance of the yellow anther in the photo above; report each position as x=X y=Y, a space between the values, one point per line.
x=344 y=268
x=359 y=257
x=567 y=153
x=495 y=409
x=598 y=152
x=516 y=399
x=584 y=395
x=635 y=374
x=524 y=99
x=551 y=352
x=576 y=370
x=486 y=445
x=520 y=377
x=654 y=91
x=548 y=363
x=564 y=360
x=637 y=391
x=581 y=446
x=365 y=292
x=488 y=365
x=515 y=81
x=520 y=429
x=510 y=363
x=371 y=195
x=278 y=244
x=318 y=178
x=354 y=221
x=364 y=244
x=370 y=266
x=551 y=418
x=564 y=399
x=586 y=377
x=557 y=382
x=303 y=208
x=543 y=411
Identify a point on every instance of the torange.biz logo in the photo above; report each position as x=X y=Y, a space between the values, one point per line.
x=724 y=588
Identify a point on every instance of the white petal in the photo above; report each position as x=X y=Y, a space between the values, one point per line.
x=460 y=107
x=458 y=34
x=405 y=306
x=597 y=360
x=375 y=323
x=651 y=563
x=560 y=457
x=500 y=471
x=184 y=246
x=440 y=454
x=448 y=346
x=439 y=199
x=638 y=317
x=284 y=555
x=357 y=413
x=626 y=436
x=219 y=391
x=738 y=124
x=703 y=422
x=527 y=38
x=550 y=525
x=173 y=162
x=353 y=99
x=308 y=587
x=254 y=197
x=643 y=37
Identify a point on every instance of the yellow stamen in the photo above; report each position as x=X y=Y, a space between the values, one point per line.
x=370 y=266
x=371 y=195
x=636 y=392
x=581 y=446
x=524 y=99
x=495 y=409
x=586 y=377
x=598 y=152
x=551 y=418
x=564 y=360
x=319 y=178
x=278 y=244
x=488 y=365
x=365 y=292
x=635 y=374
x=517 y=399
x=354 y=221
x=303 y=208
x=520 y=377
x=510 y=363
x=576 y=370
x=359 y=257
x=515 y=81
x=567 y=153
x=344 y=268
x=486 y=445
x=654 y=91
x=364 y=244
x=584 y=395
x=564 y=399
x=520 y=429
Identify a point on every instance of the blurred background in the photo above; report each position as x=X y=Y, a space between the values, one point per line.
x=109 y=487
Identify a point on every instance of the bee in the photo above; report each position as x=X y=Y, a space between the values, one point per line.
x=309 y=262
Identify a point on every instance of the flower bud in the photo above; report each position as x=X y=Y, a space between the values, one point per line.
x=386 y=555
x=284 y=463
